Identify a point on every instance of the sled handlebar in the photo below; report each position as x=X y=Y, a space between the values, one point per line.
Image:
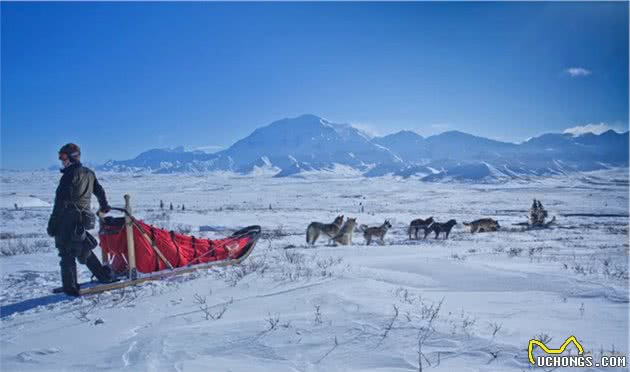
x=102 y=214
x=120 y=210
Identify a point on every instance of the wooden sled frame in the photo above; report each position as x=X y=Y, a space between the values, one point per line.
x=254 y=231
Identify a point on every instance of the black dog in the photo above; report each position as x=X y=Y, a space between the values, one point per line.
x=417 y=225
x=438 y=228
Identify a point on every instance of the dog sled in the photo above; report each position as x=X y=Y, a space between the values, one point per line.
x=537 y=218
x=138 y=252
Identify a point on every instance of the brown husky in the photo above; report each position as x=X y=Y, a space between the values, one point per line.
x=483 y=225
x=328 y=229
x=344 y=236
x=419 y=224
x=378 y=231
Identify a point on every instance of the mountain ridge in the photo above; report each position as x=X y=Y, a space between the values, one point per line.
x=308 y=143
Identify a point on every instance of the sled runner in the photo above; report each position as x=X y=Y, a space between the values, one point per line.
x=140 y=252
x=529 y=226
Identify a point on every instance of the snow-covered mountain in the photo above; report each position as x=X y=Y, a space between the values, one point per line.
x=308 y=144
x=287 y=146
x=162 y=160
x=305 y=143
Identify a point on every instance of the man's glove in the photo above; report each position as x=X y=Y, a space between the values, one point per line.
x=105 y=209
x=51 y=228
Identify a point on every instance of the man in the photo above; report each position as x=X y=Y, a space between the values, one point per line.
x=72 y=217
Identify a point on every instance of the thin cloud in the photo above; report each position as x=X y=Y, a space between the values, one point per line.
x=440 y=126
x=577 y=72
x=596 y=128
x=368 y=129
x=209 y=148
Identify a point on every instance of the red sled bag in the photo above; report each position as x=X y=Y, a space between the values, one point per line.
x=178 y=249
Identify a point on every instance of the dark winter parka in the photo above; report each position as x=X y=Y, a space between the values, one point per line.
x=73 y=197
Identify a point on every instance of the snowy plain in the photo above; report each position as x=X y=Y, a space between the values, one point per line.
x=291 y=307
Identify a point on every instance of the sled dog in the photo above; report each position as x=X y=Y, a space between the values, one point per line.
x=483 y=225
x=417 y=225
x=328 y=229
x=377 y=231
x=439 y=228
x=344 y=236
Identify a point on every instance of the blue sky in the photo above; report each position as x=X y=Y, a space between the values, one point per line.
x=120 y=78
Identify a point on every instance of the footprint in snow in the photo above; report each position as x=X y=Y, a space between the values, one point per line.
x=32 y=355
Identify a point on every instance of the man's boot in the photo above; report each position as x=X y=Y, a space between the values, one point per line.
x=69 y=276
x=102 y=273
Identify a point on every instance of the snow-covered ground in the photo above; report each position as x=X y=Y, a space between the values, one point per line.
x=290 y=307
